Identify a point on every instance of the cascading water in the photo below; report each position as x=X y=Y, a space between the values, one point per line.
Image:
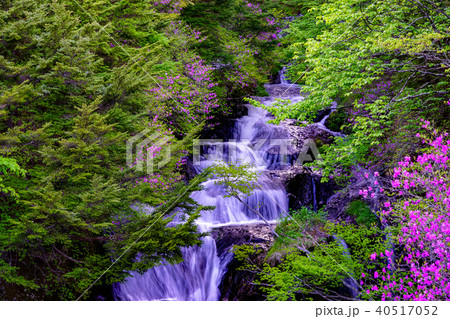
x=199 y=275
x=313 y=182
x=283 y=79
x=350 y=281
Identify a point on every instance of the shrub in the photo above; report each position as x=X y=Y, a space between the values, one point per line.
x=362 y=213
x=418 y=214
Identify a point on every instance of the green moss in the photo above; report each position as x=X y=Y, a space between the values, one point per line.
x=261 y=90
x=303 y=227
x=362 y=213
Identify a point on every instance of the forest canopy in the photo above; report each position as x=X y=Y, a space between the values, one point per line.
x=80 y=81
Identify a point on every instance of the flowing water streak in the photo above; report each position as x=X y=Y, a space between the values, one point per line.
x=198 y=276
x=283 y=79
x=313 y=182
x=349 y=282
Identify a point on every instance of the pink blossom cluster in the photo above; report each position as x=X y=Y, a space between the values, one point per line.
x=157 y=181
x=385 y=150
x=149 y=151
x=239 y=74
x=373 y=191
x=187 y=95
x=371 y=95
x=189 y=34
x=420 y=208
x=167 y=6
x=243 y=70
x=255 y=9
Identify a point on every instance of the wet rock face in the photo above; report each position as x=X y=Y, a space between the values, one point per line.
x=298 y=179
x=337 y=204
x=304 y=133
x=256 y=234
x=321 y=115
x=102 y=293
x=237 y=284
x=303 y=187
x=282 y=90
x=224 y=130
x=300 y=190
x=226 y=123
x=274 y=78
x=11 y=292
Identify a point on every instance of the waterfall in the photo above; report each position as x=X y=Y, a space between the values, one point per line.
x=332 y=109
x=283 y=79
x=348 y=282
x=321 y=123
x=198 y=276
x=314 y=194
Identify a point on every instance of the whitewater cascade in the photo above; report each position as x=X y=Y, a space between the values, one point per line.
x=198 y=277
x=349 y=282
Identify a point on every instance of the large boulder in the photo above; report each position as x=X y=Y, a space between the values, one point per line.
x=237 y=283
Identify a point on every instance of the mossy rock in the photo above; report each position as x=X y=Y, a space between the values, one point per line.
x=362 y=213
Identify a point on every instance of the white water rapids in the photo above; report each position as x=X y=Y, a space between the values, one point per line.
x=198 y=276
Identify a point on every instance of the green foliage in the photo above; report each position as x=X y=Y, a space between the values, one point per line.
x=77 y=213
x=337 y=121
x=300 y=30
x=77 y=80
x=9 y=166
x=237 y=42
x=238 y=180
x=305 y=216
x=261 y=91
x=309 y=260
x=77 y=157
x=293 y=225
x=70 y=97
x=318 y=271
x=302 y=228
x=9 y=274
x=362 y=213
x=382 y=61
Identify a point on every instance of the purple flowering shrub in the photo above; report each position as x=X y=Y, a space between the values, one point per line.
x=183 y=96
x=244 y=73
x=418 y=214
x=167 y=6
